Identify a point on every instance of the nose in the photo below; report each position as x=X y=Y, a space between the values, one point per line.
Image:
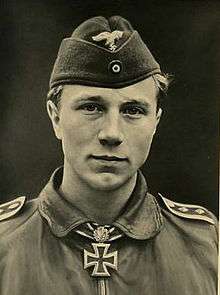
x=110 y=133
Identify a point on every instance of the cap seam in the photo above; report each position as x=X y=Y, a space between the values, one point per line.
x=124 y=83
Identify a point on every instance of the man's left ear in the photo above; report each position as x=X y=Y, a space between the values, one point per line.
x=158 y=116
x=159 y=113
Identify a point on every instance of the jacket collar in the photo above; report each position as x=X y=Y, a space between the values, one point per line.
x=140 y=219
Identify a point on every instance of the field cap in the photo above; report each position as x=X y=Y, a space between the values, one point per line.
x=105 y=53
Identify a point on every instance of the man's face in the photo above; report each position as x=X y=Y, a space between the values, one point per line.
x=106 y=133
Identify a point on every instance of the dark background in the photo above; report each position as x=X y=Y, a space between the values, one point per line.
x=184 y=36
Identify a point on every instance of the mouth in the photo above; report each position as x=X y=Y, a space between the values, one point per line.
x=109 y=158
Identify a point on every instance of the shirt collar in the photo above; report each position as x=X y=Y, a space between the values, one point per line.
x=140 y=219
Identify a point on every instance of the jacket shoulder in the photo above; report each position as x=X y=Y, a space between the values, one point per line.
x=188 y=211
x=14 y=213
x=11 y=208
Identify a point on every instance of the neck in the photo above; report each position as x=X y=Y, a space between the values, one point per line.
x=101 y=206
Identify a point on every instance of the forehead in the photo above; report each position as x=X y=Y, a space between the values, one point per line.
x=143 y=90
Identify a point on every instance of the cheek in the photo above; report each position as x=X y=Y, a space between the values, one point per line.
x=143 y=143
x=76 y=132
x=141 y=139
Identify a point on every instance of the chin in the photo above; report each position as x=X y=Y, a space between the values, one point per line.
x=108 y=181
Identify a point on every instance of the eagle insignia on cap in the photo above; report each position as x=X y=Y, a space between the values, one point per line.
x=110 y=38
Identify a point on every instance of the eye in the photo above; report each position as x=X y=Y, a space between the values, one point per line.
x=91 y=108
x=133 y=111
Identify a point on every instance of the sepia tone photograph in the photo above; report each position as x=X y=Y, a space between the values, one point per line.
x=109 y=147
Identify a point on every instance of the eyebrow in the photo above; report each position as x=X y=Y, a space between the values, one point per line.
x=137 y=102
x=95 y=98
x=100 y=99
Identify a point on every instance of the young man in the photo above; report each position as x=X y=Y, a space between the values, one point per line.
x=95 y=228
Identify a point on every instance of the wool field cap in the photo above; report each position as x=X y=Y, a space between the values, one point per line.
x=105 y=53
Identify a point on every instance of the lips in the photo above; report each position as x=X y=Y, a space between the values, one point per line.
x=109 y=158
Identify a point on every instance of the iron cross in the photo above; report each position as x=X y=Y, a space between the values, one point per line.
x=100 y=259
